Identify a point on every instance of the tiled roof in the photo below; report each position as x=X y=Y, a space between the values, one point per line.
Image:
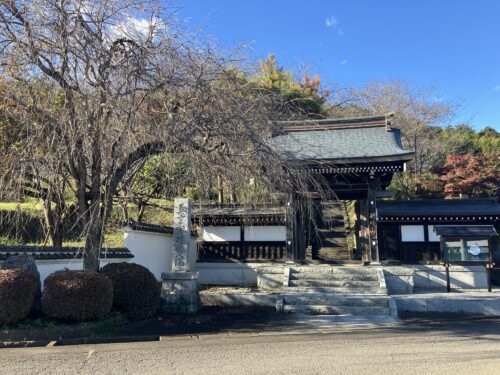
x=237 y=210
x=51 y=252
x=352 y=140
x=459 y=207
x=152 y=228
x=145 y=227
x=465 y=231
x=240 y=215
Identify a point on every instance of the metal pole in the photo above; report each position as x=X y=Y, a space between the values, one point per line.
x=488 y=275
x=448 y=286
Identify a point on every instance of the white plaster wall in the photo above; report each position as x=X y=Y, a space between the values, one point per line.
x=265 y=233
x=46 y=267
x=154 y=251
x=412 y=233
x=212 y=233
x=150 y=250
x=432 y=236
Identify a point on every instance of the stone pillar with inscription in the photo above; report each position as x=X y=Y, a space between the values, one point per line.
x=180 y=287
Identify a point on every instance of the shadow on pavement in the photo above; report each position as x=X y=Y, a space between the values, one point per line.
x=207 y=320
x=265 y=320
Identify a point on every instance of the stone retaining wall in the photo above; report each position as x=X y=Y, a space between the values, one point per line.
x=236 y=299
x=399 y=279
x=457 y=303
x=231 y=274
x=432 y=278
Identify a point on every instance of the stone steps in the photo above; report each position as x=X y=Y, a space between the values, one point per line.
x=332 y=254
x=331 y=232
x=329 y=289
x=303 y=272
x=336 y=299
x=335 y=291
x=336 y=310
x=335 y=276
x=333 y=243
x=334 y=283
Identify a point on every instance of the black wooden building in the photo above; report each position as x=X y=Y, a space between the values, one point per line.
x=406 y=228
x=356 y=157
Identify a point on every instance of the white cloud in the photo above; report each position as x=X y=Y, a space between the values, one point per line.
x=131 y=27
x=331 y=21
x=496 y=88
x=343 y=62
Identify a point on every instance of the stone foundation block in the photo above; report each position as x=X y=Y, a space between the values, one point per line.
x=180 y=292
x=270 y=278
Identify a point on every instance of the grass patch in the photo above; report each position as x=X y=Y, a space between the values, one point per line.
x=29 y=207
x=9 y=241
x=30 y=323
x=29 y=231
x=106 y=326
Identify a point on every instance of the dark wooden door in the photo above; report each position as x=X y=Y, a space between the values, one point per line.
x=389 y=243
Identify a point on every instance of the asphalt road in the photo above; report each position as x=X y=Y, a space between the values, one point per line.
x=468 y=347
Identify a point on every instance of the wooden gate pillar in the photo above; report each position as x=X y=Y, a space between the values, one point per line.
x=372 y=222
x=296 y=241
x=364 y=232
x=368 y=241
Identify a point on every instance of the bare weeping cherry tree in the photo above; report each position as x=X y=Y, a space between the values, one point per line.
x=97 y=87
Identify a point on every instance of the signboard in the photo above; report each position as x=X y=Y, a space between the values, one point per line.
x=182 y=234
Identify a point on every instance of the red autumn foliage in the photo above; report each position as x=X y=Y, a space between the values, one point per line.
x=471 y=175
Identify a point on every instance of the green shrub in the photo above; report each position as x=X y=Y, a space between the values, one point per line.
x=77 y=296
x=17 y=294
x=136 y=292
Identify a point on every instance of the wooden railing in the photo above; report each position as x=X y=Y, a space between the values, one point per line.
x=243 y=251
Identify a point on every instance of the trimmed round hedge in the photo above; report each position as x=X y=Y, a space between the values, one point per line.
x=77 y=296
x=17 y=294
x=136 y=291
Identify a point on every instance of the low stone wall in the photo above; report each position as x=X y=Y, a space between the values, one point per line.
x=270 y=277
x=236 y=299
x=238 y=274
x=432 y=278
x=457 y=303
x=399 y=280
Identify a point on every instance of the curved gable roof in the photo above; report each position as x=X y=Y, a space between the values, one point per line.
x=361 y=139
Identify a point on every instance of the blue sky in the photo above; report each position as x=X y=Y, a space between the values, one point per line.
x=454 y=44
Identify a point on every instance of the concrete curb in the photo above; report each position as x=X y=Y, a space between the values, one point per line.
x=393 y=307
x=78 y=341
x=23 y=344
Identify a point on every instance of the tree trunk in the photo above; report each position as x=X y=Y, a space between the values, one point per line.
x=232 y=195
x=220 y=189
x=141 y=207
x=53 y=225
x=57 y=239
x=92 y=248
